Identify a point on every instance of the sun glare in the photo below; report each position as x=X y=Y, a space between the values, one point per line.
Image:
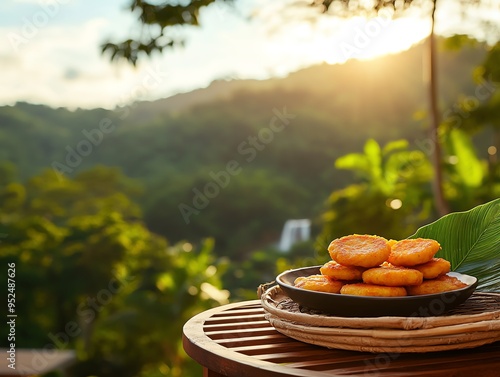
x=337 y=41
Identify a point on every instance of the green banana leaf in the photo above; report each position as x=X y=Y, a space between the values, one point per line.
x=471 y=242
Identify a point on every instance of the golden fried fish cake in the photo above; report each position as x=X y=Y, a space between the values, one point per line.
x=440 y=284
x=338 y=271
x=434 y=268
x=392 y=276
x=363 y=289
x=411 y=252
x=391 y=242
x=318 y=283
x=359 y=250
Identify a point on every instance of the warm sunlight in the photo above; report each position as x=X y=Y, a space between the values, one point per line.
x=381 y=36
x=68 y=54
x=171 y=169
x=362 y=38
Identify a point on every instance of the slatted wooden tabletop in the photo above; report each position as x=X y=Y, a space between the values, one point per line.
x=236 y=340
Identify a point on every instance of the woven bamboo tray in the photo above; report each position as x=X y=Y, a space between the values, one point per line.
x=472 y=324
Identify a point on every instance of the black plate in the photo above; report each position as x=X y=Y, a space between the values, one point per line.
x=362 y=306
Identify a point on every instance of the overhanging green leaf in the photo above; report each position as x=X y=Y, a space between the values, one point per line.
x=471 y=242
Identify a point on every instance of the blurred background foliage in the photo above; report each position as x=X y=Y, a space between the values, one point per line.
x=91 y=276
x=105 y=248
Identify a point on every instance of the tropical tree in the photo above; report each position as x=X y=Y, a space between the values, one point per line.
x=92 y=277
x=390 y=199
x=471 y=180
x=399 y=8
x=160 y=18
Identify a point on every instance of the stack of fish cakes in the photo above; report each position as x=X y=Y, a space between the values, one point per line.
x=366 y=265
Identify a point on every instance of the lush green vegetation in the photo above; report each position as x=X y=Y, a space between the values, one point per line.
x=90 y=275
x=171 y=153
x=125 y=223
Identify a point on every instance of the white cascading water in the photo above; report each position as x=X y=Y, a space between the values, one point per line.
x=294 y=231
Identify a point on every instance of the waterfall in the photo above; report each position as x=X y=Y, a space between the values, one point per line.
x=294 y=231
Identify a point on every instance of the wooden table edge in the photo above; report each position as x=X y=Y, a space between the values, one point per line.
x=219 y=361
x=201 y=348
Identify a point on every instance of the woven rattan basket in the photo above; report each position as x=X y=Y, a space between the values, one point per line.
x=474 y=323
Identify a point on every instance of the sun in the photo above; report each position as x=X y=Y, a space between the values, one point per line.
x=370 y=38
x=338 y=40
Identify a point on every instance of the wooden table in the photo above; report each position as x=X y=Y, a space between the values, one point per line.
x=35 y=362
x=236 y=340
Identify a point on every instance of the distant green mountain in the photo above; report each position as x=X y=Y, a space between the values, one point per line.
x=273 y=142
x=356 y=79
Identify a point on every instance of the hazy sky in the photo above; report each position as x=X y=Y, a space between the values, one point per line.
x=50 y=49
